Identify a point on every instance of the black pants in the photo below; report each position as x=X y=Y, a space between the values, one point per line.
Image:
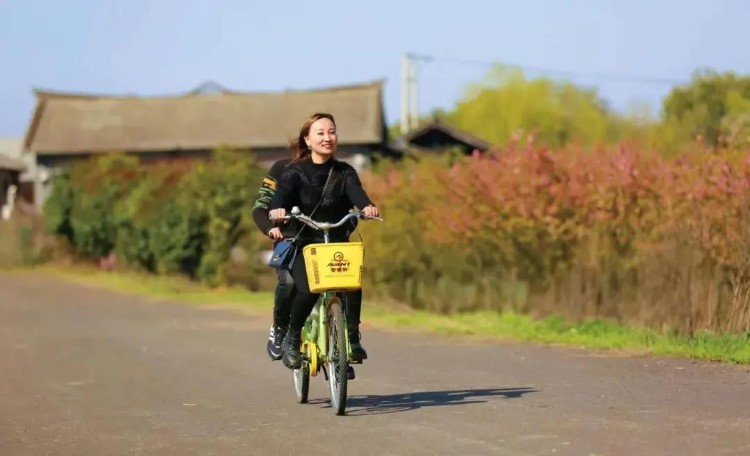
x=282 y=303
x=286 y=307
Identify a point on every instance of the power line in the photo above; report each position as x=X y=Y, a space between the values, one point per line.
x=552 y=71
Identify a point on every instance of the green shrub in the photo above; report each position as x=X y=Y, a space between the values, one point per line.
x=169 y=217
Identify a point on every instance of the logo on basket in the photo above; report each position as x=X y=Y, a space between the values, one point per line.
x=339 y=263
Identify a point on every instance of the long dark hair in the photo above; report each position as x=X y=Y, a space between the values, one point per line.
x=299 y=149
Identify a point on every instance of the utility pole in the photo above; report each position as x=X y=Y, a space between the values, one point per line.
x=408 y=93
x=405 y=79
x=413 y=118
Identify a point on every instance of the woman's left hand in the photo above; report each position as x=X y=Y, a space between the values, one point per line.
x=371 y=211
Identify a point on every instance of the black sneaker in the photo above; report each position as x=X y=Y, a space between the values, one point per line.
x=275 y=337
x=358 y=351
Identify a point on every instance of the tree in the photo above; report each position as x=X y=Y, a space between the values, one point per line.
x=711 y=107
x=556 y=112
x=735 y=125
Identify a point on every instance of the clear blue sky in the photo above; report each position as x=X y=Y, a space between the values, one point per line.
x=169 y=46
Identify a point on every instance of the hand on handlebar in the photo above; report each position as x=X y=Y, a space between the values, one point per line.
x=277 y=214
x=371 y=211
x=368 y=213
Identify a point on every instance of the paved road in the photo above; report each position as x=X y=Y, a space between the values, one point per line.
x=88 y=372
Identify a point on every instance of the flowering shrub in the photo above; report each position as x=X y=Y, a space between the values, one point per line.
x=617 y=232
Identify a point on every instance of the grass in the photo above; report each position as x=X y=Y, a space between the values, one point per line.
x=596 y=334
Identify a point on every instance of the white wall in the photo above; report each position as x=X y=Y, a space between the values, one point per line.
x=358 y=161
x=12 y=146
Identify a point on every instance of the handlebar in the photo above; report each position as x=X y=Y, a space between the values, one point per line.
x=296 y=214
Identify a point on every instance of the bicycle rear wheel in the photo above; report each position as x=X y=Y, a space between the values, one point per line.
x=338 y=360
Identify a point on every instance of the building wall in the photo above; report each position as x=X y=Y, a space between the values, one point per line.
x=42 y=186
x=265 y=156
x=7 y=178
x=13 y=147
x=359 y=156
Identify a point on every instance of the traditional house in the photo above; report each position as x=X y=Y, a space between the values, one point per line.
x=439 y=136
x=67 y=127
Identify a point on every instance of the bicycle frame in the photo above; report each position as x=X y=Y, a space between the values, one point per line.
x=316 y=330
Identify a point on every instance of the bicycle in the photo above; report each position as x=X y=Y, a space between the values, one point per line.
x=332 y=268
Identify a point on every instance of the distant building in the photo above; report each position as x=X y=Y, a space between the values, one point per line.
x=17 y=169
x=437 y=136
x=66 y=127
x=10 y=172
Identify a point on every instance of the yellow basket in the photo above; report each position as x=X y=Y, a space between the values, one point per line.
x=334 y=266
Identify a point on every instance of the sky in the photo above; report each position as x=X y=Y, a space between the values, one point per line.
x=631 y=51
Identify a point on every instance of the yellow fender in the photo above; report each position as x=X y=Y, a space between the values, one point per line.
x=312 y=354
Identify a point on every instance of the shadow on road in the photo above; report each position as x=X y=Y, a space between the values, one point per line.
x=394 y=403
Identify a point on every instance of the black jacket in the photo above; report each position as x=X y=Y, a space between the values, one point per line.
x=301 y=184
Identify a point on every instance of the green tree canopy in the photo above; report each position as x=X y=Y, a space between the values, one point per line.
x=558 y=112
x=713 y=106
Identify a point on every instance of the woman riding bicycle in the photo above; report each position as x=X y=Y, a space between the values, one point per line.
x=285 y=289
x=325 y=189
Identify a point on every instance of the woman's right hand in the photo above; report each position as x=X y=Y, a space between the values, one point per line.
x=371 y=211
x=277 y=214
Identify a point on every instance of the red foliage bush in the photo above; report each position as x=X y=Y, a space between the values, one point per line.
x=605 y=233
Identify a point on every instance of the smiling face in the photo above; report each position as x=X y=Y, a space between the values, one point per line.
x=322 y=139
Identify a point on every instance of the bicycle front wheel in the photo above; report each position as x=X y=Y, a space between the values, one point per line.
x=338 y=359
x=302 y=382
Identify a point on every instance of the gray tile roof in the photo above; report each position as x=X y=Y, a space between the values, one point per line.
x=65 y=122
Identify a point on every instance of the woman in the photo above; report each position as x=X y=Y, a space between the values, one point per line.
x=302 y=184
x=285 y=289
